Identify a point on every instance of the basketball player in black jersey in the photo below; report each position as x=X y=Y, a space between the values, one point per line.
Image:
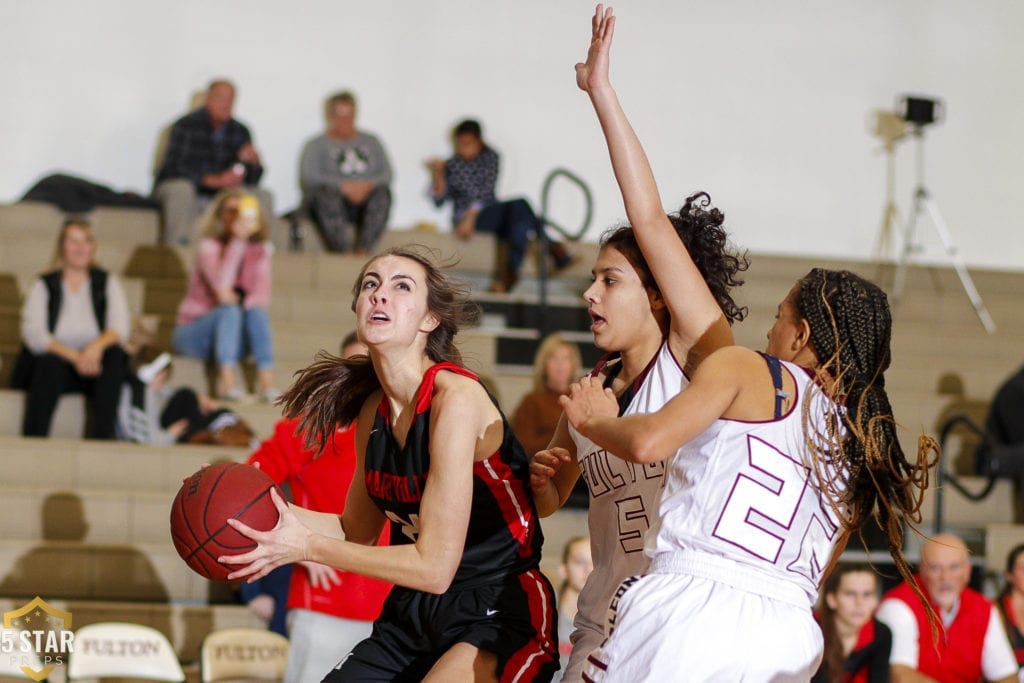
x=438 y=461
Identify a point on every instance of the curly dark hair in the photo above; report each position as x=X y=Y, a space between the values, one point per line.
x=699 y=226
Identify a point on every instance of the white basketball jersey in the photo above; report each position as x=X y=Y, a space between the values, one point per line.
x=623 y=496
x=746 y=491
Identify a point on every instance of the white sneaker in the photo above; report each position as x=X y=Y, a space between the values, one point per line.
x=150 y=370
x=234 y=394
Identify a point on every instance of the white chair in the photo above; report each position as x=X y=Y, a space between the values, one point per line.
x=115 y=649
x=233 y=654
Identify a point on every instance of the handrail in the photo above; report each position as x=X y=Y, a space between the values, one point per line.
x=542 y=237
x=588 y=198
x=951 y=422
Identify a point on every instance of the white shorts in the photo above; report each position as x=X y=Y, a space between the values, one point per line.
x=688 y=626
x=318 y=642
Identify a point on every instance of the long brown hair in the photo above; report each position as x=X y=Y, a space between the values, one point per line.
x=833 y=658
x=332 y=390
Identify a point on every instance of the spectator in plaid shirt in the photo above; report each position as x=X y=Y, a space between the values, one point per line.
x=208 y=151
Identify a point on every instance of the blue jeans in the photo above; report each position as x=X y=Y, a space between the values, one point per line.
x=226 y=333
x=512 y=221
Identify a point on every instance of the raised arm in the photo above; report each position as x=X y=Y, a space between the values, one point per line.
x=692 y=307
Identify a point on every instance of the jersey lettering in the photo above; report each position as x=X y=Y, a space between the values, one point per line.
x=605 y=472
x=633 y=523
x=818 y=536
x=410 y=525
x=763 y=502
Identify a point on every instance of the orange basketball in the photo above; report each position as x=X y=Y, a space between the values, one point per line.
x=202 y=507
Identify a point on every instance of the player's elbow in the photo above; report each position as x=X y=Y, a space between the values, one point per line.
x=437 y=581
x=436 y=572
x=646 y=447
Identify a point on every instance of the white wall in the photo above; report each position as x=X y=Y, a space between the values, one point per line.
x=764 y=104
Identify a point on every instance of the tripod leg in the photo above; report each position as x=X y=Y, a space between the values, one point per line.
x=958 y=263
x=900 y=279
x=890 y=218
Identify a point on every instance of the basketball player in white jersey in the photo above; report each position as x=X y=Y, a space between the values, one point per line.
x=770 y=466
x=657 y=314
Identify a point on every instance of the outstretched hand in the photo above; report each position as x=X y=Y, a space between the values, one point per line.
x=586 y=400
x=284 y=544
x=594 y=73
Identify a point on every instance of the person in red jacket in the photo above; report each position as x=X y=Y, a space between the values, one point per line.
x=329 y=611
x=971 y=645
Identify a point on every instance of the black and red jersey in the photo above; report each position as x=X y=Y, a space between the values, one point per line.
x=504 y=535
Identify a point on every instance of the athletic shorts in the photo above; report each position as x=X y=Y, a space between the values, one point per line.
x=515 y=619
x=706 y=620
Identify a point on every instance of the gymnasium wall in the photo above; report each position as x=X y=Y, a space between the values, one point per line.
x=765 y=104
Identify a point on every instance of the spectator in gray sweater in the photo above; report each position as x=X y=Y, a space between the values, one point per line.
x=345 y=176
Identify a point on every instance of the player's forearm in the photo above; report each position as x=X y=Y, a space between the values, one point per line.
x=324 y=523
x=634 y=438
x=629 y=161
x=548 y=502
x=410 y=565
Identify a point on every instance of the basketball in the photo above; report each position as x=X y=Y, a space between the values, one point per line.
x=202 y=507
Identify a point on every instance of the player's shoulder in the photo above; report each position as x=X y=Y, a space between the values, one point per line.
x=454 y=390
x=449 y=385
x=733 y=357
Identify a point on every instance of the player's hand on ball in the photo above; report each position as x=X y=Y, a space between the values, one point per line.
x=287 y=542
x=586 y=400
x=543 y=466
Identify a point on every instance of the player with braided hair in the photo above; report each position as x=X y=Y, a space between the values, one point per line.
x=772 y=460
x=657 y=313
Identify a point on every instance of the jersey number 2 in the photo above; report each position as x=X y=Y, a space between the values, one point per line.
x=754 y=504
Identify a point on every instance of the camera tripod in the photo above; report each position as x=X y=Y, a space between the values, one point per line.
x=923 y=202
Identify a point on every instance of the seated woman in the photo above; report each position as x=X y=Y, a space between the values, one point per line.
x=224 y=312
x=72 y=325
x=556 y=365
x=857 y=645
x=468 y=179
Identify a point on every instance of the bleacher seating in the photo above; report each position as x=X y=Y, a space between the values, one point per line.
x=125 y=490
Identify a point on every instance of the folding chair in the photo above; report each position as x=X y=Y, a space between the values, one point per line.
x=115 y=649
x=233 y=654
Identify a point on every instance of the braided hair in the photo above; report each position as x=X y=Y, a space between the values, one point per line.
x=699 y=226
x=332 y=390
x=850 y=331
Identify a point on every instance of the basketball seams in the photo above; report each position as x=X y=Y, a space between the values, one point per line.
x=198 y=499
